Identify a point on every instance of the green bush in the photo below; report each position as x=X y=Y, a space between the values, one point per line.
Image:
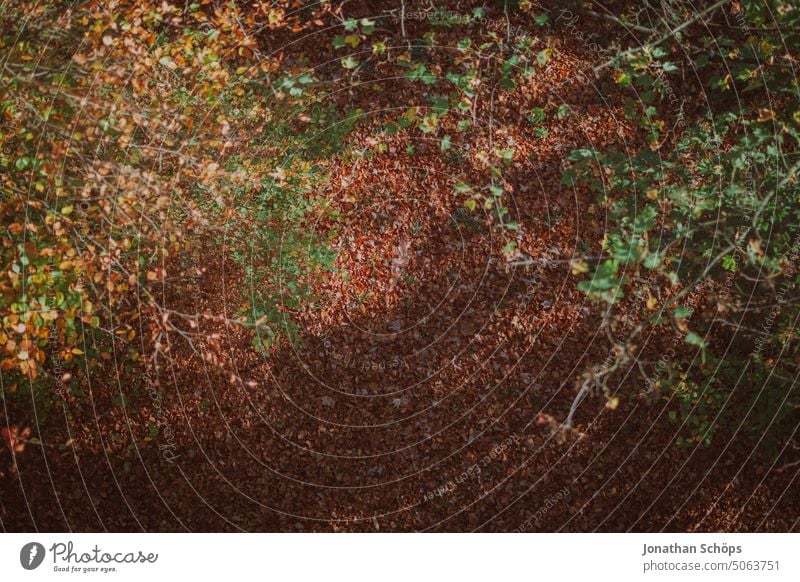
x=708 y=204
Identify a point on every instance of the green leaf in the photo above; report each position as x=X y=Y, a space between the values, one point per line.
x=349 y=62
x=694 y=340
x=537 y=115
x=653 y=261
x=728 y=263
x=645 y=220
x=544 y=56
x=367 y=26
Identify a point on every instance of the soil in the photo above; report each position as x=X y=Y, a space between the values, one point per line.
x=429 y=377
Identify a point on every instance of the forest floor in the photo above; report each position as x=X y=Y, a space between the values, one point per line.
x=427 y=381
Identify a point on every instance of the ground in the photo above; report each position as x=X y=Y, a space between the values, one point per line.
x=426 y=386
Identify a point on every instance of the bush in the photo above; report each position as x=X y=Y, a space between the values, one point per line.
x=129 y=130
x=708 y=205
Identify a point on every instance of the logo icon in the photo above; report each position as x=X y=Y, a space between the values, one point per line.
x=31 y=555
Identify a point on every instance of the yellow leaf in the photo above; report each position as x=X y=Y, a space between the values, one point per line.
x=579 y=267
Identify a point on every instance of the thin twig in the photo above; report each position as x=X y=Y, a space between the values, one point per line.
x=667 y=36
x=616 y=20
